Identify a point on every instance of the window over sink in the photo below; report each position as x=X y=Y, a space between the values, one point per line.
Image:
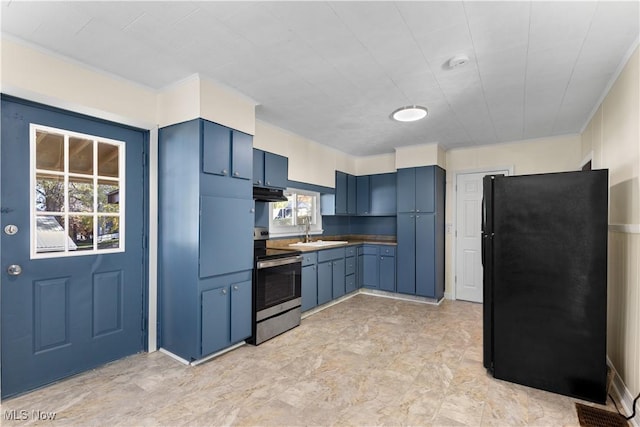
x=293 y=217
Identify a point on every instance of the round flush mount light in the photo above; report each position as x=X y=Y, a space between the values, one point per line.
x=409 y=114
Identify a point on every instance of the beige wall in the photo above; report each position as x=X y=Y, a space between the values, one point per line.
x=525 y=157
x=614 y=136
x=309 y=161
x=420 y=155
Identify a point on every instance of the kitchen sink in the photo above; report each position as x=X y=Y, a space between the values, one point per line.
x=319 y=243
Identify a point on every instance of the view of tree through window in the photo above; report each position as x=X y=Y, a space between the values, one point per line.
x=300 y=207
x=77 y=205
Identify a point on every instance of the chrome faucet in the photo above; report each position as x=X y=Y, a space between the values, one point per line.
x=307 y=228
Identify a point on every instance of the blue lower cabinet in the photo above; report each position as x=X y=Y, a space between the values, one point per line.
x=368 y=259
x=325 y=281
x=350 y=283
x=388 y=273
x=309 y=287
x=226 y=315
x=338 y=278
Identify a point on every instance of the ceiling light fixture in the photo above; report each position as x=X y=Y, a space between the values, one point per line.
x=409 y=114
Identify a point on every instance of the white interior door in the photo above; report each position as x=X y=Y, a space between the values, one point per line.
x=468 y=278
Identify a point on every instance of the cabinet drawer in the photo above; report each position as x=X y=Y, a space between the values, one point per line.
x=387 y=251
x=350 y=267
x=350 y=251
x=309 y=258
x=369 y=250
x=330 y=254
x=350 y=283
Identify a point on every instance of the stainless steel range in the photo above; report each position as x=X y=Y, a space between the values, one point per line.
x=277 y=283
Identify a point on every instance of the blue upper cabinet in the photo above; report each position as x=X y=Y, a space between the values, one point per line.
x=383 y=194
x=416 y=189
x=276 y=170
x=270 y=170
x=341 y=193
x=216 y=148
x=363 y=199
x=241 y=155
x=351 y=194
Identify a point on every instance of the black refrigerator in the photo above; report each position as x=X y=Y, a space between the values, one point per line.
x=544 y=252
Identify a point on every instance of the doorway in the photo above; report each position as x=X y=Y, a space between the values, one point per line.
x=73 y=230
x=468 y=235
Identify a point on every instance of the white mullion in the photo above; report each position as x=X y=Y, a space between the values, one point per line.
x=121 y=194
x=66 y=193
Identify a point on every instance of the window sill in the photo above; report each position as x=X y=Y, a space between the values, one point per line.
x=278 y=234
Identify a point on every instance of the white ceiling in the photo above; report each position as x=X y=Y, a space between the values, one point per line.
x=333 y=71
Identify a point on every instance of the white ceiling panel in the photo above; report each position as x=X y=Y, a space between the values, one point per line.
x=332 y=72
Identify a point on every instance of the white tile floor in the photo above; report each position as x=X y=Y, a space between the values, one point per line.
x=366 y=361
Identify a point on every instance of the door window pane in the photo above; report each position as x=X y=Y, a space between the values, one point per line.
x=49 y=193
x=50 y=151
x=108 y=160
x=80 y=194
x=81 y=156
x=77 y=193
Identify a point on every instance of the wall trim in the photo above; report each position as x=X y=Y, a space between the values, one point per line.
x=588 y=158
x=621 y=394
x=625 y=228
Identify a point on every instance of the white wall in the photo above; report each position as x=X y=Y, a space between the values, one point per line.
x=613 y=135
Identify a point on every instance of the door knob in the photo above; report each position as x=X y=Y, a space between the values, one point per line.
x=14 y=270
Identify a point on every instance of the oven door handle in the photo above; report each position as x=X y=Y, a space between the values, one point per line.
x=279 y=262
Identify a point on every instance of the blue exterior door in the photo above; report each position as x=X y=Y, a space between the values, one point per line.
x=73 y=299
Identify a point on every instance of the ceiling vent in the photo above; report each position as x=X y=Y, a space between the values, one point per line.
x=458 y=61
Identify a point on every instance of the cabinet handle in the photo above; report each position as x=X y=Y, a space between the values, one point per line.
x=259 y=181
x=268 y=182
x=236 y=173
x=252 y=210
x=224 y=171
x=235 y=287
x=224 y=292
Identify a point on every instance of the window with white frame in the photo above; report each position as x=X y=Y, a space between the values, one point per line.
x=77 y=193
x=301 y=212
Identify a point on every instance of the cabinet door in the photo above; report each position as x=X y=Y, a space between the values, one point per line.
x=425 y=184
x=215 y=327
x=388 y=273
x=363 y=206
x=309 y=287
x=360 y=269
x=425 y=252
x=325 y=278
x=241 y=155
x=351 y=194
x=225 y=223
x=240 y=311
x=370 y=270
x=338 y=278
x=383 y=194
x=406 y=185
x=216 y=148
x=258 y=167
x=276 y=170
x=406 y=253
x=350 y=283
x=341 y=193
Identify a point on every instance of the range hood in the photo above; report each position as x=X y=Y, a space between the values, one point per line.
x=261 y=194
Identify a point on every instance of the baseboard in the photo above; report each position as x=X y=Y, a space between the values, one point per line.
x=622 y=395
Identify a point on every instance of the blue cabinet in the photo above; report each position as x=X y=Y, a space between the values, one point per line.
x=363 y=196
x=420 y=231
x=225 y=220
x=416 y=189
x=205 y=202
x=226 y=316
x=376 y=195
x=270 y=170
x=225 y=151
x=309 y=280
x=383 y=194
x=378 y=267
x=331 y=274
x=344 y=202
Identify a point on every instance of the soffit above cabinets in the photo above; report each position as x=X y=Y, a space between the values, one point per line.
x=333 y=72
